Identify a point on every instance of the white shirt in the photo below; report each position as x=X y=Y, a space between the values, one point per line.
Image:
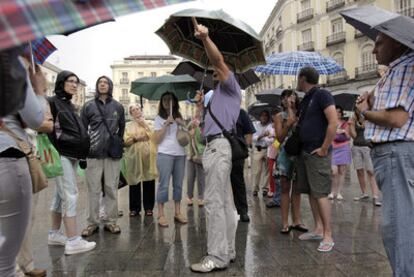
x=261 y=129
x=169 y=145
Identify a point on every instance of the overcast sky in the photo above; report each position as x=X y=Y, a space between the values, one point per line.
x=89 y=53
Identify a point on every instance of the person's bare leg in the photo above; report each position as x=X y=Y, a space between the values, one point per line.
x=374 y=185
x=334 y=189
x=340 y=178
x=316 y=216
x=177 y=207
x=160 y=210
x=56 y=220
x=70 y=226
x=296 y=217
x=285 y=201
x=324 y=207
x=361 y=180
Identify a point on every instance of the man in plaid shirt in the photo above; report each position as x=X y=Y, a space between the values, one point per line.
x=389 y=111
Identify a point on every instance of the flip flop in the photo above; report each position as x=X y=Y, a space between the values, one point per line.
x=326 y=246
x=286 y=230
x=300 y=228
x=310 y=236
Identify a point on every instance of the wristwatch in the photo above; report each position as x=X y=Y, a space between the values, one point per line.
x=362 y=113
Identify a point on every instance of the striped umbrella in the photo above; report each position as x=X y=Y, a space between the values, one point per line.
x=289 y=63
x=26 y=20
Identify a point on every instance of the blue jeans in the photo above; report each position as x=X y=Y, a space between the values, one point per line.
x=170 y=165
x=394 y=169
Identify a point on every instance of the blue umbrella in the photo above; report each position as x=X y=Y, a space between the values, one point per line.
x=289 y=63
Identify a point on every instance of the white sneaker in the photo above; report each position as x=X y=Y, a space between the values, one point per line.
x=78 y=245
x=330 y=196
x=57 y=238
x=339 y=197
x=363 y=196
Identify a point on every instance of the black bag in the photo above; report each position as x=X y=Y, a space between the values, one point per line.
x=293 y=145
x=116 y=143
x=239 y=150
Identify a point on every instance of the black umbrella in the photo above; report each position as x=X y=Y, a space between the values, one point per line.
x=205 y=78
x=257 y=108
x=272 y=96
x=240 y=45
x=346 y=99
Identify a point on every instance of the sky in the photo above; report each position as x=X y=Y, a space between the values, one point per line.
x=90 y=52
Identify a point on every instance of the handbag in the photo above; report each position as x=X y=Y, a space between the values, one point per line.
x=116 y=143
x=182 y=136
x=39 y=180
x=49 y=156
x=239 y=149
x=293 y=145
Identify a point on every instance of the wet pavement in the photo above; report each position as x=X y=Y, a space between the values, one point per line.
x=145 y=249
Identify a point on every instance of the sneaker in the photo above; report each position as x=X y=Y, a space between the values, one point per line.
x=339 y=197
x=376 y=202
x=207 y=264
x=79 y=245
x=363 y=196
x=330 y=196
x=56 y=238
x=189 y=201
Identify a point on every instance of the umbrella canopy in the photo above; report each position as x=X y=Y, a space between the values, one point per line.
x=22 y=21
x=152 y=88
x=41 y=49
x=240 y=45
x=205 y=78
x=371 y=20
x=289 y=63
x=257 y=108
x=346 y=99
x=273 y=96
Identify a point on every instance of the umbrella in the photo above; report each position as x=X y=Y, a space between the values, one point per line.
x=289 y=63
x=346 y=99
x=240 y=45
x=41 y=49
x=370 y=20
x=22 y=20
x=205 y=78
x=152 y=88
x=273 y=96
x=257 y=108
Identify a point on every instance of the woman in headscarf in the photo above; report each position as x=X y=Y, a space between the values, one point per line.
x=140 y=159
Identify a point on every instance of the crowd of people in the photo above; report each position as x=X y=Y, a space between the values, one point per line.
x=97 y=137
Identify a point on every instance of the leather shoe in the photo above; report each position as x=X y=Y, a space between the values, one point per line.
x=37 y=272
x=244 y=218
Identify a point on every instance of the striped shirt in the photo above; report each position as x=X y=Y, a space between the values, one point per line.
x=395 y=89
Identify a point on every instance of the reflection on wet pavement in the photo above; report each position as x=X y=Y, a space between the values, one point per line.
x=145 y=249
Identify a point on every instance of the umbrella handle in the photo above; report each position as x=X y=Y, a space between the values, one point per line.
x=32 y=58
x=195 y=23
x=204 y=78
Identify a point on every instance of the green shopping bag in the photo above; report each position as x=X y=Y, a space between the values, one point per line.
x=51 y=164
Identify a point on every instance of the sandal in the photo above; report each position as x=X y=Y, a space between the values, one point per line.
x=326 y=246
x=148 y=213
x=180 y=218
x=310 y=236
x=300 y=228
x=120 y=213
x=133 y=213
x=89 y=231
x=286 y=230
x=113 y=228
x=162 y=221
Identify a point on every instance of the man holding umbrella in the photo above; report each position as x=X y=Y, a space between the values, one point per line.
x=217 y=160
x=389 y=112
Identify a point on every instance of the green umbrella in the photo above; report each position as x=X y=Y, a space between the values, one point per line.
x=240 y=45
x=152 y=88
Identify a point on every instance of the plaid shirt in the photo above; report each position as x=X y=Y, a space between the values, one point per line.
x=395 y=89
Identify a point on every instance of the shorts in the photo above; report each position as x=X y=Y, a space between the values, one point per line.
x=361 y=156
x=313 y=175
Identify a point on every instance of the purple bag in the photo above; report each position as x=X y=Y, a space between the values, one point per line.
x=340 y=138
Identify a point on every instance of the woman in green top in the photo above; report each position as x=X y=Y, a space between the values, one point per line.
x=194 y=165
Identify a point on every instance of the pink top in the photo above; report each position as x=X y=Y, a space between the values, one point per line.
x=342 y=126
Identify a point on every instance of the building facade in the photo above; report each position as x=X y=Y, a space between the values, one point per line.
x=316 y=25
x=50 y=72
x=135 y=67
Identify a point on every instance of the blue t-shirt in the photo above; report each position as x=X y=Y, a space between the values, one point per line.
x=313 y=126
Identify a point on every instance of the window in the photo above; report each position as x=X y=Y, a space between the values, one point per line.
x=124 y=75
x=339 y=58
x=367 y=58
x=124 y=93
x=305 y=4
x=336 y=26
x=140 y=74
x=307 y=36
x=404 y=4
x=153 y=74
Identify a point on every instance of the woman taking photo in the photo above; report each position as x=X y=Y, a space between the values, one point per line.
x=140 y=163
x=284 y=124
x=170 y=157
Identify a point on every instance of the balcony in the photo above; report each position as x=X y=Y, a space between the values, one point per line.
x=279 y=32
x=305 y=15
x=358 y=34
x=338 y=78
x=307 y=46
x=336 y=38
x=407 y=12
x=124 y=81
x=334 y=4
x=124 y=100
x=367 y=71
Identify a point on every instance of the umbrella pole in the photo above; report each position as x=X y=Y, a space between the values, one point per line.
x=204 y=77
x=141 y=102
x=32 y=58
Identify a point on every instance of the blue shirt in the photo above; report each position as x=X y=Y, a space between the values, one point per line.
x=314 y=123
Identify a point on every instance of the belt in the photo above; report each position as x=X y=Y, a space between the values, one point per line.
x=374 y=144
x=260 y=148
x=12 y=153
x=210 y=138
